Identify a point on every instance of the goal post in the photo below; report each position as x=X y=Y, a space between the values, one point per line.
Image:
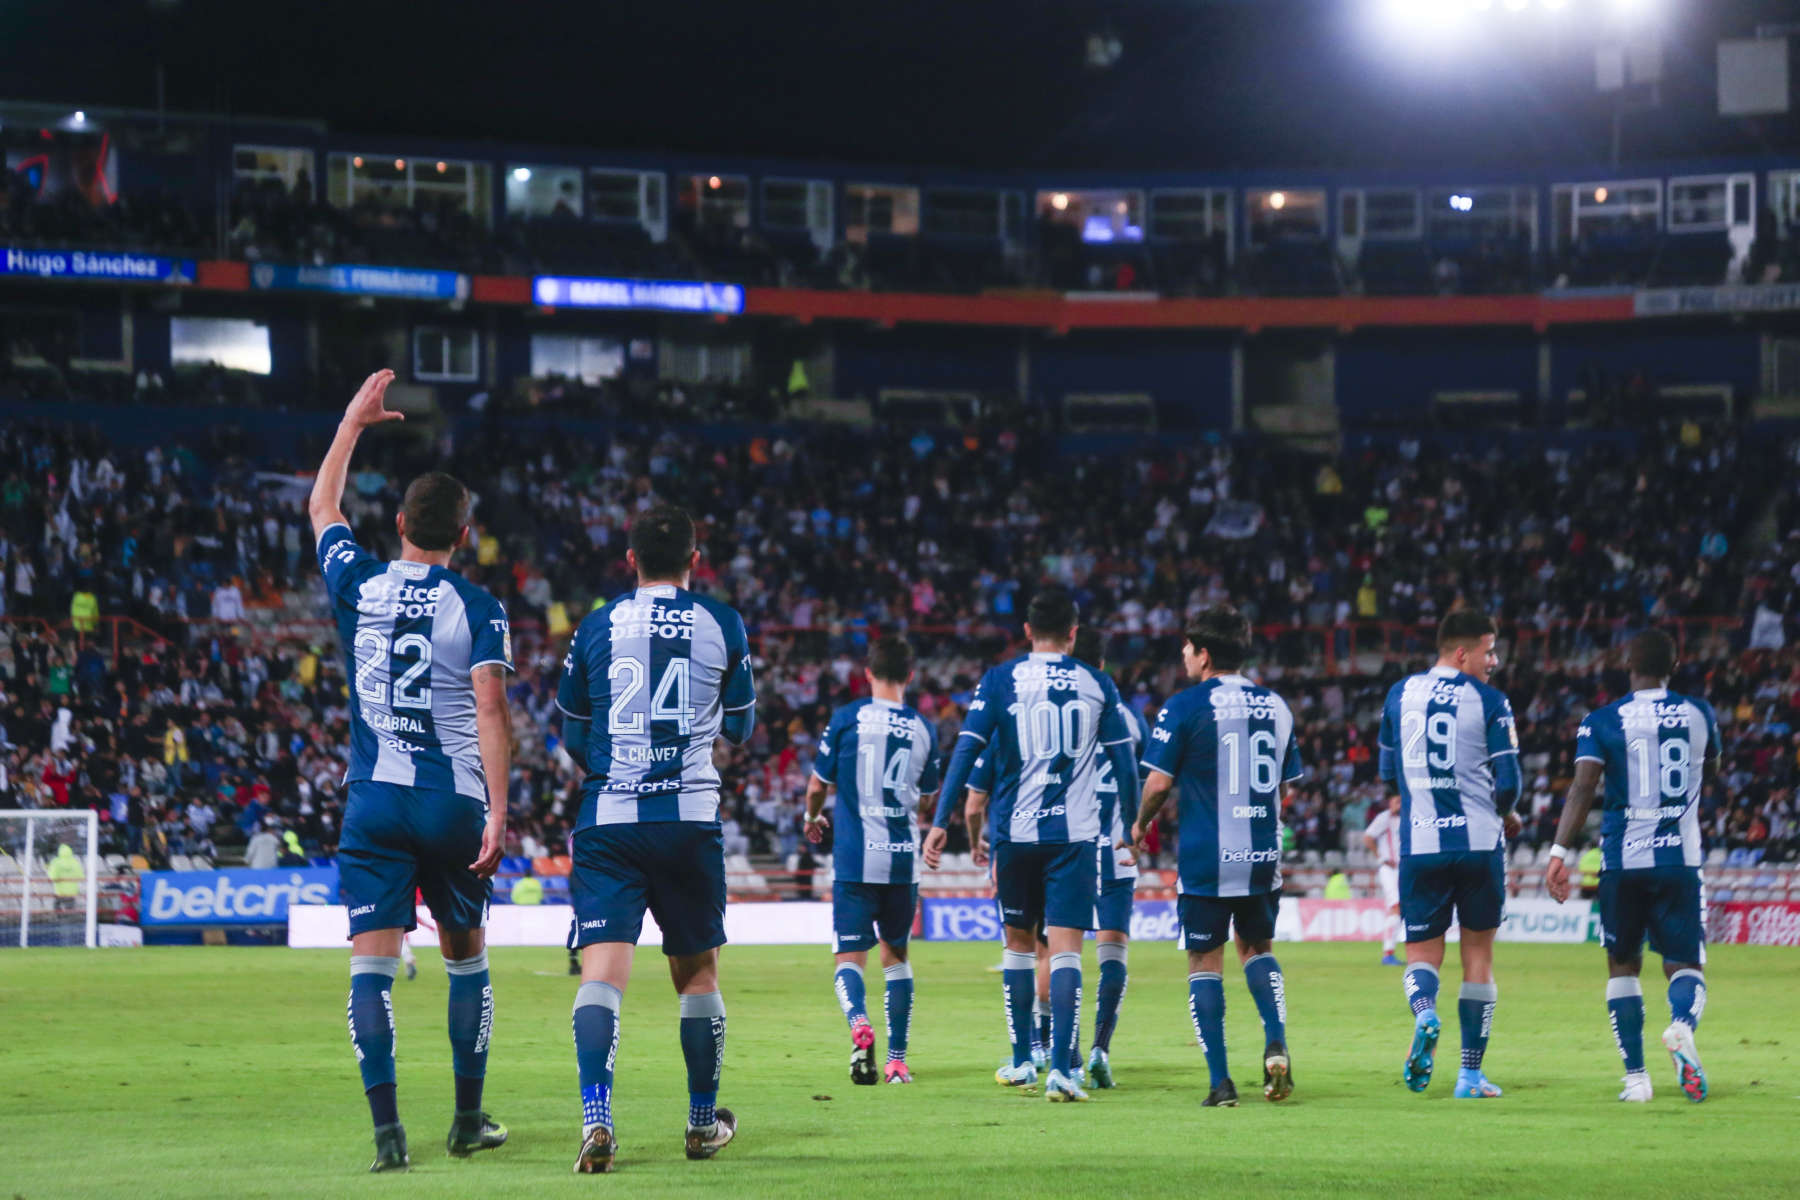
x=43 y=902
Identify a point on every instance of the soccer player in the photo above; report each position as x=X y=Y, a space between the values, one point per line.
x=1382 y=838
x=1040 y=717
x=1449 y=744
x=1228 y=745
x=1118 y=877
x=879 y=756
x=1654 y=749
x=430 y=748
x=649 y=682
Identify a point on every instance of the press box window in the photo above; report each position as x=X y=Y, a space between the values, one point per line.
x=571 y=356
x=229 y=342
x=543 y=191
x=446 y=355
x=284 y=165
x=880 y=208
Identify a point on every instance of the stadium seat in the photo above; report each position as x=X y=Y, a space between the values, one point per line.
x=1716 y=857
x=179 y=862
x=200 y=862
x=139 y=863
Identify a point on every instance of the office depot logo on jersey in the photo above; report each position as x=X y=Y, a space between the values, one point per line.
x=235 y=897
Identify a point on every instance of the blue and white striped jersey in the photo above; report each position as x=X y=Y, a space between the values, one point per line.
x=1040 y=720
x=1115 y=825
x=1441 y=731
x=655 y=671
x=881 y=757
x=1652 y=748
x=1229 y=745
x=413 y=634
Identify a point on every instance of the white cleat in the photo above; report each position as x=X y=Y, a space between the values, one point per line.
x=1678 y=1040
x=1637 y=1088
x=1023 y=1075
x=1060 y=1088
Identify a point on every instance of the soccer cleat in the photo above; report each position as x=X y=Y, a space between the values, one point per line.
x=1059 y=1088
x=1222 y=1096
x=474 y=1132
x=1023 y=1075
x=1039 y=1058
x=862 y=1057
x=1678 y=1040
x=412 y=968
x=1278 y=1075
x=1637 y=1088
x=896 y=1072
x=574 y=963
x=1099 y=1068
x=704 y=1143
x=1471 y=1084
x=390 y=1149
x=1388 y=960
x=1417 y=1072
x=597 y=1150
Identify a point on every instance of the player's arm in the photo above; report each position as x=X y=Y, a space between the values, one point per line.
x=975 y=817
x=366 y=409
x=818 y=788
x=1388 y=742
x=574 y=701
x=1156 y=793
x=1569 y=829
x=1162 y=759
x=1503 y=758
x=739 y=694
x=978 y=727
x=1121 y=754
x=493 y=727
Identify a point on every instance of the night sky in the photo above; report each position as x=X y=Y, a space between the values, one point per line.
x=1001 y=83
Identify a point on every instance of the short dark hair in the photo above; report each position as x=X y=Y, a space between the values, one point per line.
x=1090 y=646
x=1053 y=613
x=1465 y=625
x=891 y=659
x=1651 y=654
x=1224 y=633
x=436 y=507
x=663 y=540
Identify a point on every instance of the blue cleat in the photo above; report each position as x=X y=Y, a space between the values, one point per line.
x=1061 y=1088
x=1022 y=1076
x=1099 y=1069
x=1471 y=1084
x=1417 y=1072
x=1388 y=960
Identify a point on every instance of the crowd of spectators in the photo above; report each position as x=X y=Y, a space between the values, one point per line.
x=224 y=709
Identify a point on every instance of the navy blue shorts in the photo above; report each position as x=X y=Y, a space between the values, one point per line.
x=1040 y=884
x=1206 y=920
x=862 y=911
x=397 y=839
x=1472 y=883
x=1665 y=904
x=1114 y=910
x=675 y=869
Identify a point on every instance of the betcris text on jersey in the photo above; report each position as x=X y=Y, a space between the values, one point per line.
x=234 y=897
x=973 y=919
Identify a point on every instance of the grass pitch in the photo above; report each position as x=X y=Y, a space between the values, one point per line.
x=228 y=1072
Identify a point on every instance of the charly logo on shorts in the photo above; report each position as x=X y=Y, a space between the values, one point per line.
x=593 y=924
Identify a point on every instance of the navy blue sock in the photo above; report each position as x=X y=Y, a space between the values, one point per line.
x=1263 y=974
x=1475 y=1012
x=1421 y=984
x=1206 y=1007
x=898 y=1001
x=1065 y=1009
x=847 y=982
x=471 y=1023
x=371 y=1017
x=1040 y=1023
x=1625 y=1007
x=1018 y=982
x=1112 y=993
x=596 y=1020
x=703 y=1046
x=1687 y=997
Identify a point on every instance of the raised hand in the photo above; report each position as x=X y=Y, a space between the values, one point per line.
x=368 y=406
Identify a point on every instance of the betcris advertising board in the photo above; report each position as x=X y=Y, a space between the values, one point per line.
x=232 y=897
x=975 y=919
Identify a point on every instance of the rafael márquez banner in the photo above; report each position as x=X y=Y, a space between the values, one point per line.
x=1772 y=923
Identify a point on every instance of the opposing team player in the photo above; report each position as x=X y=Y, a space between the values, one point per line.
x=1449 y=744
x=880 y=757
x=1382 y=838
x=430 y=748
x=650 y=681
x=1654 y=750
x=1228 y=746
x=1118 y=877
x=1041 y=716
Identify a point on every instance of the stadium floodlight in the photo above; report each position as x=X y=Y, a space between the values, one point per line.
x=522 y=174
x=1462 y=203
x=1555 y=5
x=1432 y=16
x=1516 y=5
x=1277 y=200
x=80 y=117
x=1059 y=201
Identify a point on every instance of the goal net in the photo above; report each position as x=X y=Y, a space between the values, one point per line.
x=47 y=897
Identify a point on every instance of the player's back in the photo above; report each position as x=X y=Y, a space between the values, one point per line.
x=1042 y=716
x=1231 y=745
x=1652 y=748
x=413 y=634
x=1440 y=732
x=881 y=757
x=655 y=671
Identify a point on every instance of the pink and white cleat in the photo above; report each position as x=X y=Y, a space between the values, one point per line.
x=862 y=1057
x=897 y=1073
